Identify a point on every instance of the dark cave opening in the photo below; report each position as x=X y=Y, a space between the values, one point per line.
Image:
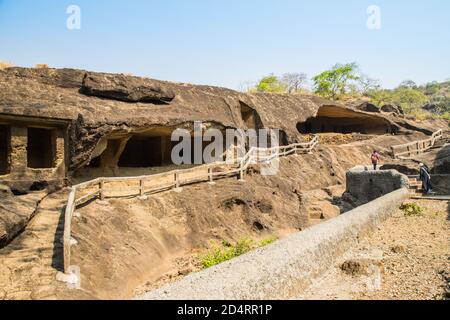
x=344 y=121
x=5 y=137
x=250 y=117
x=41 y=149
x=142 y=152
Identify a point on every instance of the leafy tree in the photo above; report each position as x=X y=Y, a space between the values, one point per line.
x=439 y=95
x=367 y=84
x=380 y=96
x=411 y=100
x=270 y=84
x=408 y=84
x=431 y=88
x=294 y=81
x=335 y=82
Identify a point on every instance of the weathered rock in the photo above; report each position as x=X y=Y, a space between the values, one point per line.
x=5 y=192
x=15 y=213
x=96 y=106
x=398 y=249
x=430 y=107
x=389 y=108
x=361 y=267
x=128 y=89
x=368 y=107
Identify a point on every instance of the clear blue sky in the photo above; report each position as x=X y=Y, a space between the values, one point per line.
x=228 y=42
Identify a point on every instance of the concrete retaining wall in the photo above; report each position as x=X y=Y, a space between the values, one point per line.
x=366 y=184
x=284 y=269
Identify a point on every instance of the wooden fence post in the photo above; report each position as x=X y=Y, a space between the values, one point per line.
x=178 y=188
x=241 y=172
x=101 y=187
x=141 y=187
x=67 y=229
x=211 y=176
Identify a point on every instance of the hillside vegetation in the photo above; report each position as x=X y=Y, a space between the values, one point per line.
x=346 y=82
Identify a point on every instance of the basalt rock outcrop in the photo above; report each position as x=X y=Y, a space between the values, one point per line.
x=125 y=89
x=95 y=106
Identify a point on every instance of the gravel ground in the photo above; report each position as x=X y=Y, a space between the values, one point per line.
x=407 y=258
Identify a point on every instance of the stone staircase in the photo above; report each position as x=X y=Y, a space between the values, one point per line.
x=415 y=187
x=29 y=265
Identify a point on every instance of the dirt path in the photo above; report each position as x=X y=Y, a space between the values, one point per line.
x=28 y=266
x=407 y=258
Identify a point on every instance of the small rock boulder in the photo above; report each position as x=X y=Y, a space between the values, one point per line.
x=362 y=267
x=389 y=108
x=5 y=192
x=398 y=249
x=431 y=107
x=369 y=107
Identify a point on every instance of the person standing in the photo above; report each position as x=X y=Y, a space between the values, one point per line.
x=375 y=158
x=425 y=177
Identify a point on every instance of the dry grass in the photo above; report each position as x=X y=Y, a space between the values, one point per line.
x=5 y=65
x=41 y=66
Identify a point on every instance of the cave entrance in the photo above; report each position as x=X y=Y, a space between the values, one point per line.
x=5 y=137
x=41 y=148
x=146 y=151
x=340 y=120
x=250 y=117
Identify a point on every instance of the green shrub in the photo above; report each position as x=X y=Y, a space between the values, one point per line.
x=271 y=84
x=242 y=247
x=227 y=251
x=268 y=241
x=411 y=209
x=215 y=256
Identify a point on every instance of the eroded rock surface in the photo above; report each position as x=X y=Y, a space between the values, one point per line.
x=15 y=213
x=98 y=105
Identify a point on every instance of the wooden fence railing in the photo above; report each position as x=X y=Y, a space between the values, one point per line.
x=103 y=188
x=416 y=147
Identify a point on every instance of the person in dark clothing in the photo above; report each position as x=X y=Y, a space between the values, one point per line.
x=425 y=177
x=375 y=158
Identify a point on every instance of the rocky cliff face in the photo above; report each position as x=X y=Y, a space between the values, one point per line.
x=97 y=105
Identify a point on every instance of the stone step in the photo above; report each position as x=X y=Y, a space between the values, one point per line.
x=439 y=198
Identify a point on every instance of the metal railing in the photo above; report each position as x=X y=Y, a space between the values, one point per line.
x=416 y=147
x=103 y=188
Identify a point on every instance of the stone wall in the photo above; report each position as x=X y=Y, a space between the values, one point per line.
x=365 y=184
x=286 y=268
x=20 y=176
